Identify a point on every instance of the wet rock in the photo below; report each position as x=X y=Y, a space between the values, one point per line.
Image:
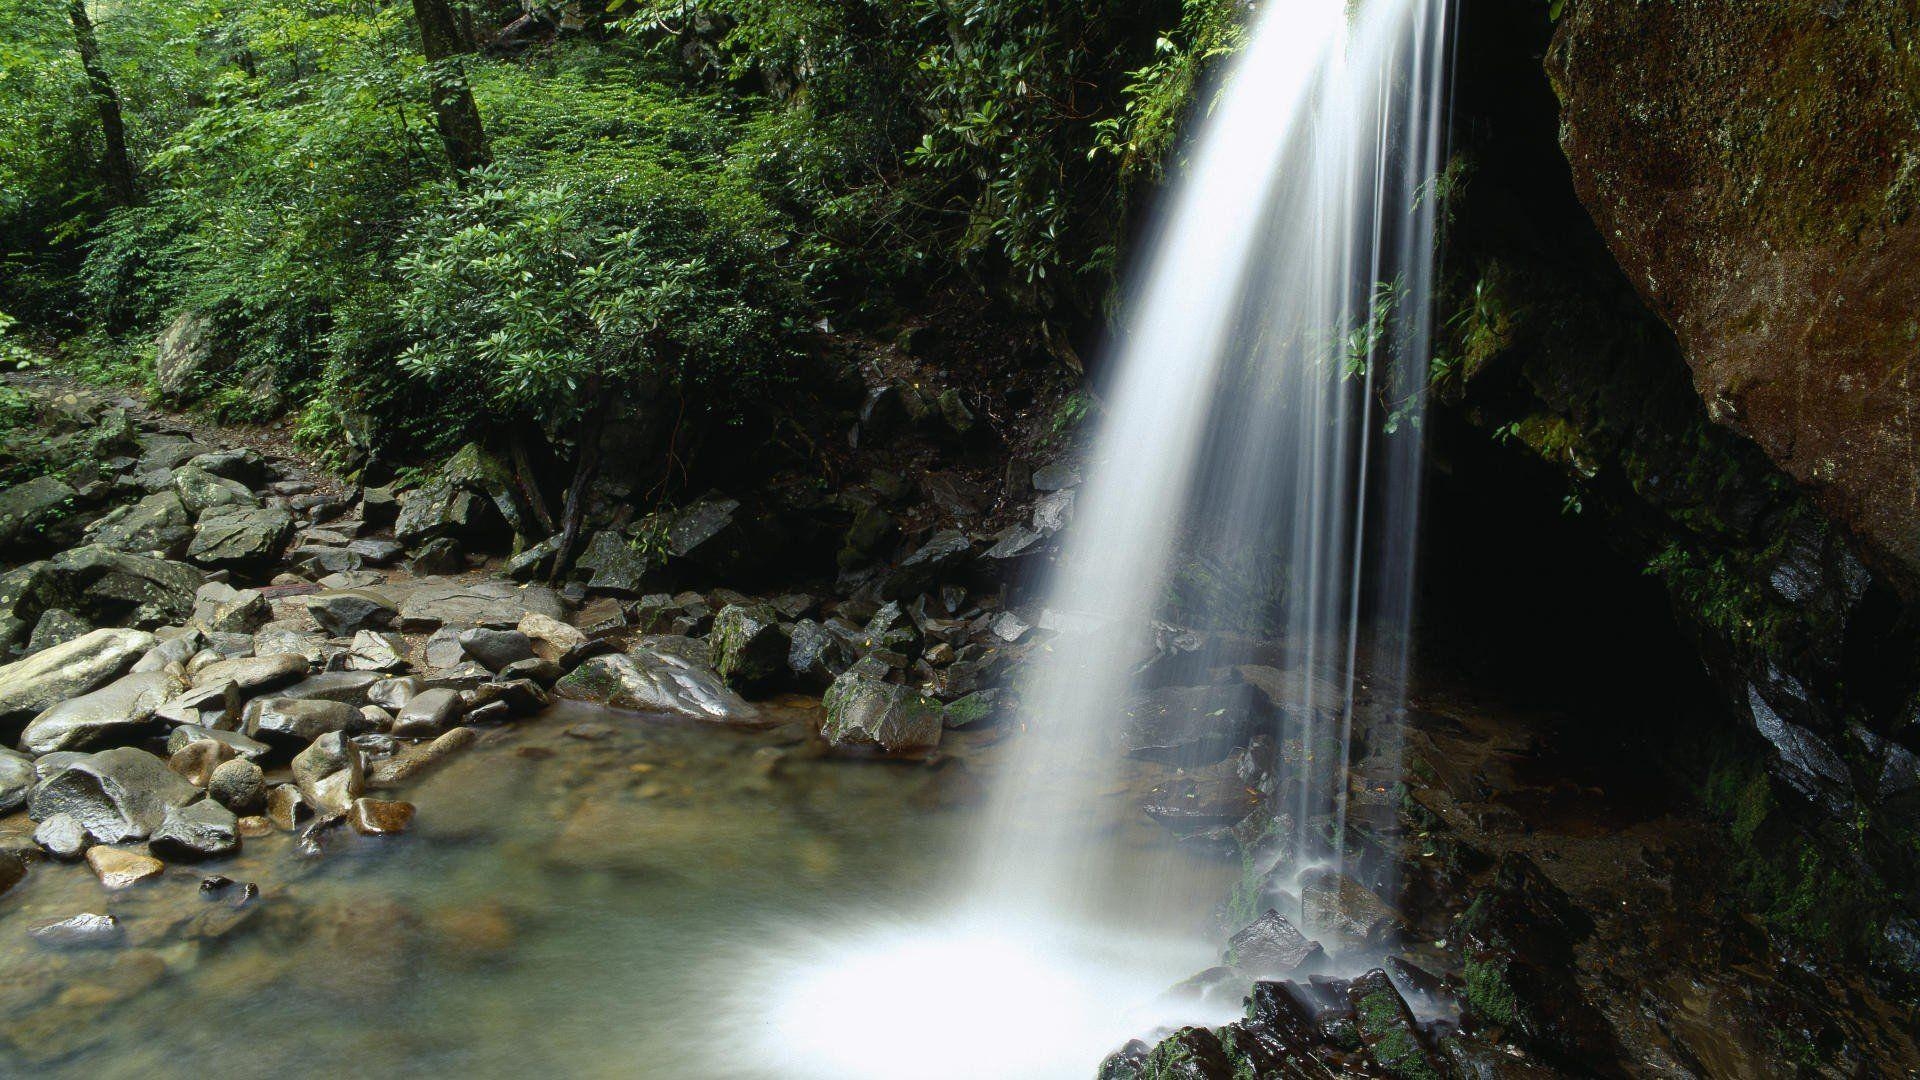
x=62 y=835
x=492 y=603
x=537 y=669
x=254 y=673
x=312 y=839
x=1387 y=1028
x=86 y=931
x=557 y=641
x=1014 y=543
x=331 y=773
x=591 y=731
x=203 y=830
x=392 y=694
x=286 y=807
x=119 y=868
x=113 y=710
x=283 y=639
x=460 y=677
x=410 y=763
x=1056 y=476
x=242 y=746
x=350 y=611
x=1468 y=1058
x=651 y=680
x=16 y=779
x=520 y=696
x=239 y=785
x=1217 y=794
x=348 y=687
x=239 y=536
x=292 y=721
x=1192 y=1053
x=490 y=713
x=197 y=760
x=864 y=711
x=215 y=706
x=617 y=564
x=117 y=795
x=1336 y=907
x=377 y=817
x=748 y=645
x=427 y=714
x=1271 y=947
x=495 y=649
x=38 y=682
x=437 y=509
x=944 y=555
x=978 y=709
x=1191 y=725
x=375 y=651
x=816 y=654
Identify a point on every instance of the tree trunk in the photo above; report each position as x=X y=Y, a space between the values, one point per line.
x=119 y=166
x=586 y=467
x=454 y=112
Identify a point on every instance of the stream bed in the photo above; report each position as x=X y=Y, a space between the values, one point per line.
x=659 y=898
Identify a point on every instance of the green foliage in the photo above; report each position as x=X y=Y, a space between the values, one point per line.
x=539 y=300
x=13 y=352
x=1711 y=589
x=666 y=199
x=1159 y=95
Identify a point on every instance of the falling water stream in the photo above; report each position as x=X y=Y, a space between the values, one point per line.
x=1261 y=424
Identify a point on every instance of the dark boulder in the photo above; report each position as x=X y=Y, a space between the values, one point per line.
x=116 y=795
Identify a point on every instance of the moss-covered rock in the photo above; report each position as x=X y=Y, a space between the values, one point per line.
x=749 y=645
x=1753 y=167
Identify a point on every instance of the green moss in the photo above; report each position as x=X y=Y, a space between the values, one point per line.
x=1815 y=890
x=1393 y=1047
x=1489 y=993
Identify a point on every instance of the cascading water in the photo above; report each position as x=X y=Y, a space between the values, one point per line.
x=1261 y=425
x=1242 y=434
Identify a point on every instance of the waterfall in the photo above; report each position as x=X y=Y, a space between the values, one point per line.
x=1243 y=432
x=1261 y=421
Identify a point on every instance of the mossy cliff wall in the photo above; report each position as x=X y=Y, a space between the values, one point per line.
x=1755 y=167
x=1719 y=372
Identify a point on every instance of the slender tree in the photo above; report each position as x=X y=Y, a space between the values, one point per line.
x=119 y=166
x=454 y=111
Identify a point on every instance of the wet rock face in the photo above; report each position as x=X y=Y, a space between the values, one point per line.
x=655 y=681
x=865 y=711
x=1751 y=168
x=66 y=671
x=117 y=795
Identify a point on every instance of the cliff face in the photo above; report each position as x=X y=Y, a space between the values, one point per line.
x=1719 y=376
x=1755 y=168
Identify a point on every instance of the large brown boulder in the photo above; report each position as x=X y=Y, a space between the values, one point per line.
x=1756 y=170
